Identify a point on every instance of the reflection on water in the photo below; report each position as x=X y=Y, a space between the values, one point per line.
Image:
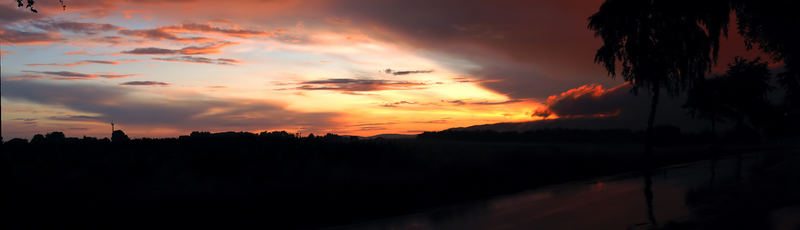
x=607 y=203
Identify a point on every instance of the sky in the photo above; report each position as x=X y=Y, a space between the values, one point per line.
x=166 y=68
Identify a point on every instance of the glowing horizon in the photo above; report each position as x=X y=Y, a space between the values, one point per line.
x=160 y=69
x=310 y=77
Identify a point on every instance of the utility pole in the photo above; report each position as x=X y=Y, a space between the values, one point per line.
x=112 y=126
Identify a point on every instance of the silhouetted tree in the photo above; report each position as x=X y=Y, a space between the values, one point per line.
x=16 y=141
x=38 y=139
x=772 y=26
x=29 y=4
x=659 y=44
x=119 y=137
x=745 y=90
x=704 y=101
x=740 y=94
x=55 y=138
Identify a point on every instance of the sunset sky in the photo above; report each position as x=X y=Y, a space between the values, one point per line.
x=166 y=68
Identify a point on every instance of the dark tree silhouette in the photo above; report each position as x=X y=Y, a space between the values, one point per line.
x=29 y=4
x=772 y=26
x=740 y=94
x=704 y=101
x=119 y=137
x=659 y=44
x=745 y=90
x=38 y=139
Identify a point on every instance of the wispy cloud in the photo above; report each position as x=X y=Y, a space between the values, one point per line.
x=160 y=34
x=74 y=27
x=69 y=75
x=201 y=60
x=187 y=114
x=210 y=48
x=396 y=104
x=356 y=85
x=405 y=72
x=85 y=62
x=28 y=38
x=145 y=83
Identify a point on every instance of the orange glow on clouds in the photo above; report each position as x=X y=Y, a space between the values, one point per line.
x=244 y=66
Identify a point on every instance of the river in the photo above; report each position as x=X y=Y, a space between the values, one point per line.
x=615 y=202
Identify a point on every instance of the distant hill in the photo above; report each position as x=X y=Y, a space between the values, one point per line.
x=392 y=136
x=561 y=123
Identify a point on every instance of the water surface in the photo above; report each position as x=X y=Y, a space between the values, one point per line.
x=616 y=202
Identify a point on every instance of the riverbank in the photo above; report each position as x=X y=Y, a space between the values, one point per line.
x=246 y=180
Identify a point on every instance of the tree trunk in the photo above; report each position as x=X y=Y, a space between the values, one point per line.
x=650 y=132
x=714 y=126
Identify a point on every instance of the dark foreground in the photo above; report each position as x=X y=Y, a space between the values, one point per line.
x=278 y=181
x=757 y=190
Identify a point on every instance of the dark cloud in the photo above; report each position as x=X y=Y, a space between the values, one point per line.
x=592 y=99
x=120 y=105
x=74 y=27
x=467 y=102
x=151 y=51
x=69 y=75
x=495 y=102
x=84 y=62
x=395 y=104
x=536 y=48
x=202 y=60
x=205 y=28
x=75 y=118
x=10 y=14
x=158 y=83
x=374 y=124
x=595 y=107
x=357 y=85
x=159 y=34
x=109 y=39
x=405 y=72
x=210 y=48
x=28 y=38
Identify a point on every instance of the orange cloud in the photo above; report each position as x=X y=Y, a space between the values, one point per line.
x=590 y=100
x=77 y=52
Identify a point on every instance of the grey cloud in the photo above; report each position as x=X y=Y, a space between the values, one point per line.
x=145 y=83
x=24 y=37
x=405 y=72
x=69 y=75
x=119 y=104
x=10 y=14
x=395 y=104
x=158 y=34
x=357 y=85
x=74 y=27
x=208 y=48
x=201 y=60
x=84 y=62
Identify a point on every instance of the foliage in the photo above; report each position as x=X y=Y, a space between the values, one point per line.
x=285 y=181
x=659 y=43
x=740 y=94
x=29 y=4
